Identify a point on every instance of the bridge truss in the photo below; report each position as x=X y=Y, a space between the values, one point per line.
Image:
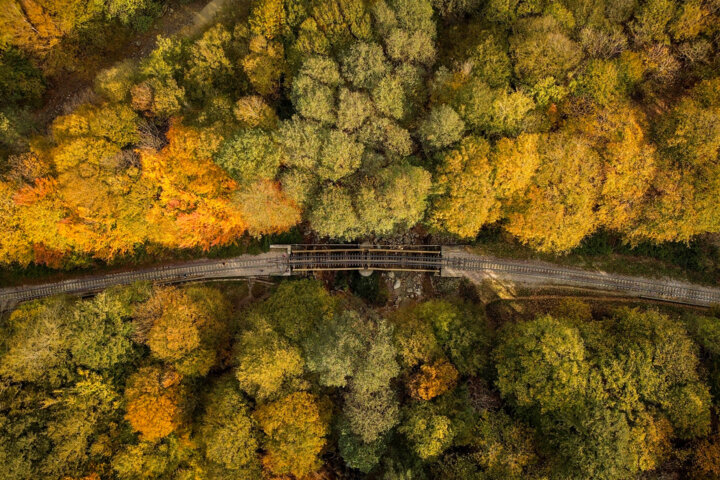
x=365 y=258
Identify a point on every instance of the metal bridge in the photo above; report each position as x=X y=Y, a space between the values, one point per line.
x=365 y=258
x=284 y=260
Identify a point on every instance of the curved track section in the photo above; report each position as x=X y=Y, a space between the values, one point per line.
x=274 y=263
x=445 y=261
x=456 y=262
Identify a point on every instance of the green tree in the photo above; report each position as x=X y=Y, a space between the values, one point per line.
x=23 y=447
x=265 y=360
x=429 y=432
x=358 y=454
x=249 y=156
x=370 y=413
x=116 y=124
x=542 y=363
x=411 y=47
x=265 y=65
x=254 y=112
x=651 y=21
x=606 y=446
x=442 y=127
x=461 y=331
x=298 y=305
x=333 y=214
x=491 y=62
x=149 y=460
x=114 y=83
x=210 y=63
x=21 y=83
x=296 y=427
x=394 y=199
x=35 y=342
x=333 y=350
x=353 y=109
x=101 y=330
x=340 y=156
x=504 y=447
x=665 y=369
x=226 y=433
x=390 y=97
x=268 y=18
x=371 y=406
x=80 y=424
x=540 y=49
x=313 y=91
x=301 y=141
x=364 y=65
x=689 y=133
x=601 y=82
x=386 y=136
x=414 y=337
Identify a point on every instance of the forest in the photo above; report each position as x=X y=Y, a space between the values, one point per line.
x=558 y=123
x=353 y=119
x=297 y=381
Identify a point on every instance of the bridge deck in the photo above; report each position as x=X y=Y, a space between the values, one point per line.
x=412 y=258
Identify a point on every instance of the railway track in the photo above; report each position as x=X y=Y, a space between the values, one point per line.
x=243 y=266
x=285 y=260
x=538 y=273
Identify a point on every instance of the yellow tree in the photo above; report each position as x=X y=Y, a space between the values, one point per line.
x=154 y=402
x=673 y=214
x=514 y=161
x=184 y=327
x=628 y=161
x=558 y=210
x=468 y=201
x=267 y=18
x=15 y=245
x=433 y=380
x=266 y=209
x=296 y=426
x=266 y=360
x=39 y=215
x=28 y=25
x=193 y=207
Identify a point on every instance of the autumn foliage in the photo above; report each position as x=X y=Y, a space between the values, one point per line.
x=296 y=427
x=154 y=402
x=433 y=380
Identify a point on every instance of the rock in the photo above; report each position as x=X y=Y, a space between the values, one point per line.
x=391 y=275
x=397 y=284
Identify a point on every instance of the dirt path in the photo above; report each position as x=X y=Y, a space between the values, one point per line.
x=72 y=88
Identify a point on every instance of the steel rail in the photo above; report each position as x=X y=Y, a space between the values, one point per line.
x=304 y=259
